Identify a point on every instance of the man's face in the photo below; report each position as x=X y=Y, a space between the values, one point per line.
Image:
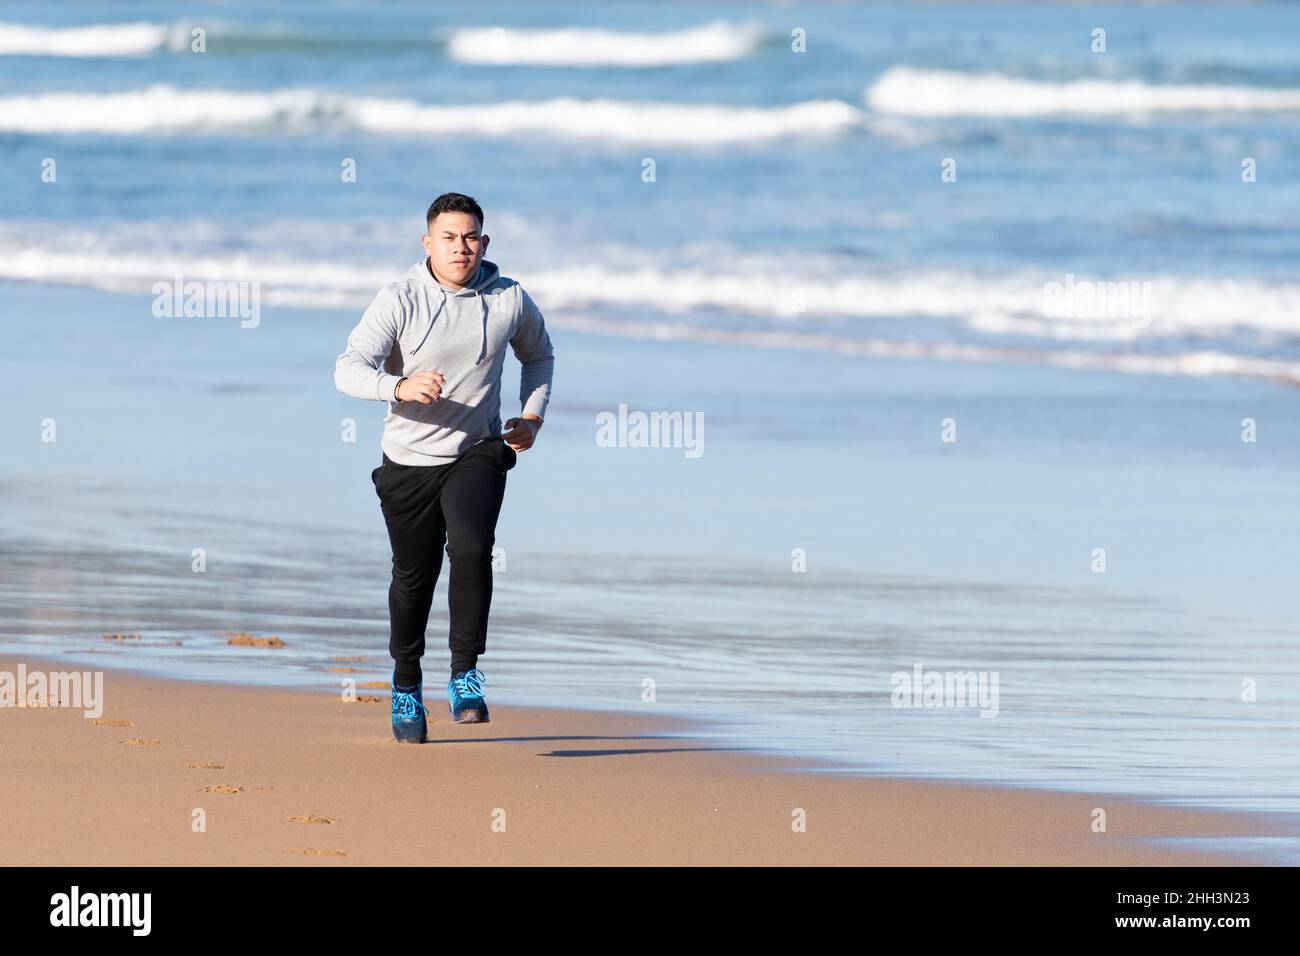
x=454 y=246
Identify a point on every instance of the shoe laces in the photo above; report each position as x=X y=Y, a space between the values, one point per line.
x=407 y=705
x=470 y=684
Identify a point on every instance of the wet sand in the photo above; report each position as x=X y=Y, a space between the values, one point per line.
x=284 y=777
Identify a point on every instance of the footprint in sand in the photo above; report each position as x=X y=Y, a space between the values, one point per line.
x=373 y=685
x=310 y=818
x=104 y=722
x=148 y=741
x=221 y=788
x=204 y=765
x=366 y=699
x=317 y=851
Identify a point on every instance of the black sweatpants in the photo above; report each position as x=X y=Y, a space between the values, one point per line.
x=425 y=507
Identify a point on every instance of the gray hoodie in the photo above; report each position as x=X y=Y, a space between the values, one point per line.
x=417 y=324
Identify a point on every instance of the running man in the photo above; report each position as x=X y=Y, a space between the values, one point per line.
x=432 y=345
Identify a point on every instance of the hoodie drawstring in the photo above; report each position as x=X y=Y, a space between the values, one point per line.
x=432 y=319
x=483 y=348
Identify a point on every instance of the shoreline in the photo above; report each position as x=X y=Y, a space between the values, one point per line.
x=570 y=787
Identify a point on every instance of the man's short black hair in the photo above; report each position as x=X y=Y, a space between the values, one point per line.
x=454 y=202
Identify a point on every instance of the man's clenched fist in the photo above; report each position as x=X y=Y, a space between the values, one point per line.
x=520 y=433
x=422 y=387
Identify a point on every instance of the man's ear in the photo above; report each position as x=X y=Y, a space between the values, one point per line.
x=484 y=240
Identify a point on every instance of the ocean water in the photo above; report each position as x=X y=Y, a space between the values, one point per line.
x=796 y=271
x=795 y=195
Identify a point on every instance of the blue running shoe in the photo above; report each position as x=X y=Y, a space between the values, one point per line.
x=409 y=726
x=465 y=697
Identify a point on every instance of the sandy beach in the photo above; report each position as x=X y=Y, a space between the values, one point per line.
x=292 y=777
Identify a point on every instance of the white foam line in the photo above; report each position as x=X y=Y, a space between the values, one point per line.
x=1225 y=306
x=166 y=109
x=913 y=92
x=575 y=46
x=1007 y=304
x=108 y=40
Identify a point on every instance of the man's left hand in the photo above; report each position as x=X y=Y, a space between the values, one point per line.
x=520 y=433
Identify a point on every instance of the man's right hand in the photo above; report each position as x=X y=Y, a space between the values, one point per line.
x=422 y=387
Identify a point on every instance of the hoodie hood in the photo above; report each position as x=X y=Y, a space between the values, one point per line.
x=487 y=274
